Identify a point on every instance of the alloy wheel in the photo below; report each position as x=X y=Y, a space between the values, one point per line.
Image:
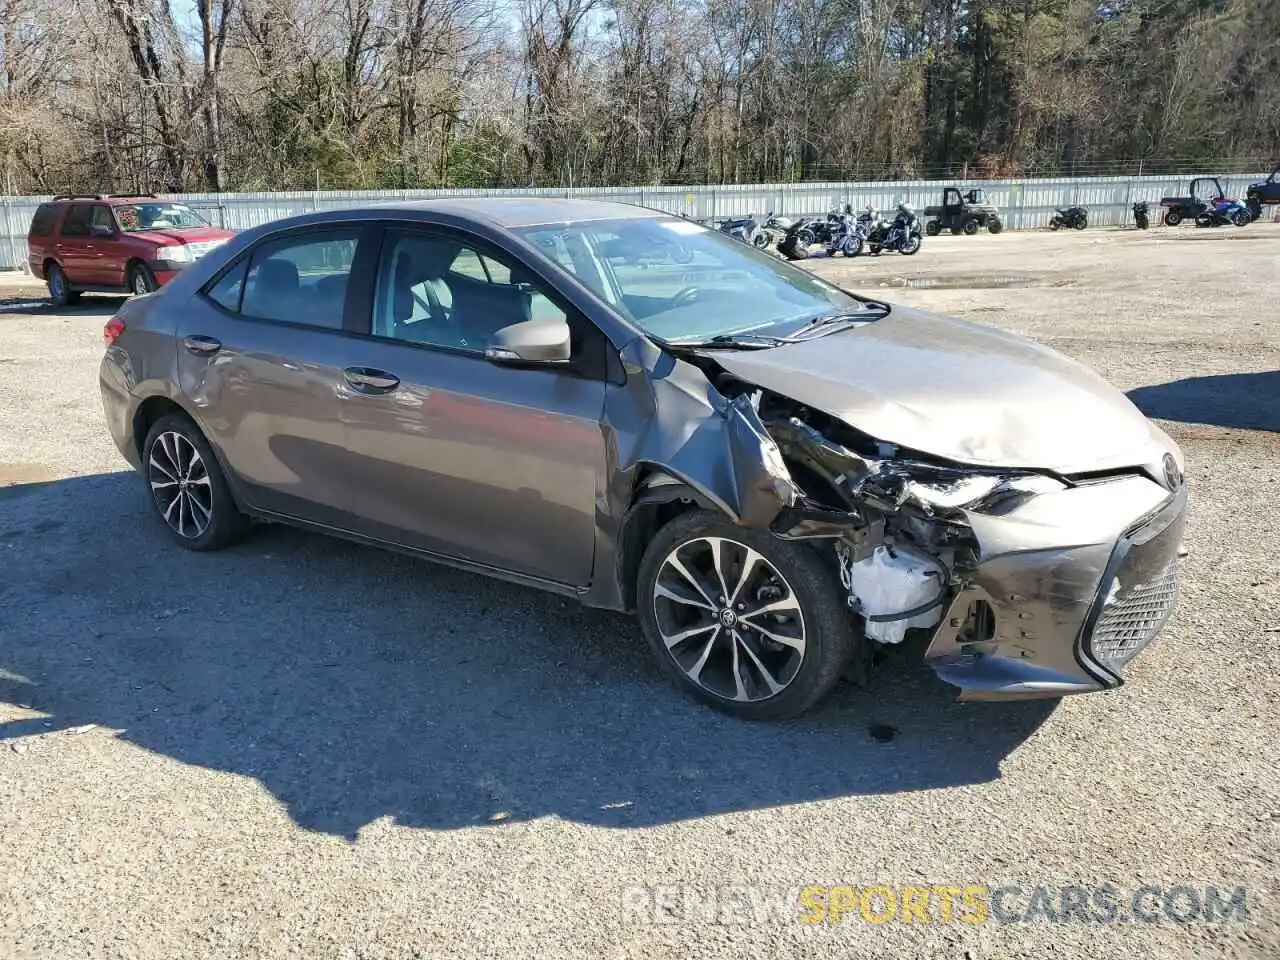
x=140 y=284
x=180 y=484
x=729 y=619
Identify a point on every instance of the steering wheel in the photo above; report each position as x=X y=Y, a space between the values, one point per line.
x=685 y=297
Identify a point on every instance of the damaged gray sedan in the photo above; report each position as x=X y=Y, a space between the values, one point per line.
x=778 y=476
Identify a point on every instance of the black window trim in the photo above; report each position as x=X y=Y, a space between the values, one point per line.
x=366 y=237
x=55 y=215
x=603 y=370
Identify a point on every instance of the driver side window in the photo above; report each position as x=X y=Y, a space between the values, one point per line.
x=437 y=291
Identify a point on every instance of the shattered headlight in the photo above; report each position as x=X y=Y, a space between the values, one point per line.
x=937 y=488
x=975 y=490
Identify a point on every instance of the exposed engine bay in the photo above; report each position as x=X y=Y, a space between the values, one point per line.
x=1001 y=566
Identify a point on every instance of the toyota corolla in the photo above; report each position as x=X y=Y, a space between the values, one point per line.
x=779 y=477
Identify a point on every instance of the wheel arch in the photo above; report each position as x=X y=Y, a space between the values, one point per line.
x=159 y=405
x=657 y=498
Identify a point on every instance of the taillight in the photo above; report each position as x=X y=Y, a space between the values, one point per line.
x=111 y=332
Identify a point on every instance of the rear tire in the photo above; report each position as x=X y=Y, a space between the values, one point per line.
x=724 y=661
x=141 y=280
x=970 y=227
x=188 y=489
x=1255 y=208
x=60 y=292
x=932 y=228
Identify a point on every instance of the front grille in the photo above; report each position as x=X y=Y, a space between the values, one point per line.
x=1138 y=589
x=1133 y=618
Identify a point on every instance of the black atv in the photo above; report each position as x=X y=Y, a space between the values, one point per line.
x=1204 y=190
x=962 y=213
x=1263 y=194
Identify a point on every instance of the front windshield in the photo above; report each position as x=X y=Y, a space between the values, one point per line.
x=680 y=281
x=137 y=217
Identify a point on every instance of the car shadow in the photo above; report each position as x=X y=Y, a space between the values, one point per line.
x=1248 y=401
x=356 y=684
x=35 y=305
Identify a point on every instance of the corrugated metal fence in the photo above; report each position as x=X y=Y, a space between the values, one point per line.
x=1025 y=204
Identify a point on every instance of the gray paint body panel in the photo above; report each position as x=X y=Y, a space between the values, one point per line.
x=532 y=474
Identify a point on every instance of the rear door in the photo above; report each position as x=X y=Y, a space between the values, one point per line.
x=261 y=353
x=75 y=247
x=452 y=453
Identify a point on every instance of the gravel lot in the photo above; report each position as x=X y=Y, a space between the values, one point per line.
x=302 y=748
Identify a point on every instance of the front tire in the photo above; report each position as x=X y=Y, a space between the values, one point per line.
x=995 y=226
x=911 y=245
x=188 y=489
x=747 y=623
x=1255 y=208
x=141 y=280
x=1080 y=224
x=1172 y=218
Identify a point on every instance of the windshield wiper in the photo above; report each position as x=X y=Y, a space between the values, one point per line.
x=873 y=311
x=732 y=341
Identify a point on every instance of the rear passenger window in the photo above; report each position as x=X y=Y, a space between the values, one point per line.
x=42 y=223
x=226 y=291
x=300 y=279
x=76 y=222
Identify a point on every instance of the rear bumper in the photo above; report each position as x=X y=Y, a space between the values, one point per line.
x=118 y=403
x=1072 y=612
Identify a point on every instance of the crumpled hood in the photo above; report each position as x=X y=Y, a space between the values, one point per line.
x=961 y=391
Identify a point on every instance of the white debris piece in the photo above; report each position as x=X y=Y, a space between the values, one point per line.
x=892 y=581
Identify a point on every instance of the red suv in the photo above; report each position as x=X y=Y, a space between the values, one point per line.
x=90 y=243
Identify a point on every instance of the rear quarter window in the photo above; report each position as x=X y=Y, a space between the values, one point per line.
x=42 y=223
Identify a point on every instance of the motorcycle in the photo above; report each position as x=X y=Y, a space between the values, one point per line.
x=746 y=229
x=1077 y=218
x=901 y=234
x=1141 y=218
x=775 y=228
x=1222 y=211
x=807 y=231
x=849 y=234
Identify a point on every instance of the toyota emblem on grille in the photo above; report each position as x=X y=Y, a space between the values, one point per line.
x=1172 y=475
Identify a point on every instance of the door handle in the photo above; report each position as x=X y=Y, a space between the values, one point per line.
x=369 y=380
x=201 y=345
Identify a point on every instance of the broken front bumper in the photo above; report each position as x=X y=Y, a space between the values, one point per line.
x=1078 y=582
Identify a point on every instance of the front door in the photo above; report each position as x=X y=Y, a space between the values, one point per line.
x=457 y=455
x=104 y=262
x=260 y=358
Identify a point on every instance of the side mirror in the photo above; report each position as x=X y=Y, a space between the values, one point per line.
x=98 y=230
x=530 y=341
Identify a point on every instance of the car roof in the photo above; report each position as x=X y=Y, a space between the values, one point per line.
x=509 y=212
